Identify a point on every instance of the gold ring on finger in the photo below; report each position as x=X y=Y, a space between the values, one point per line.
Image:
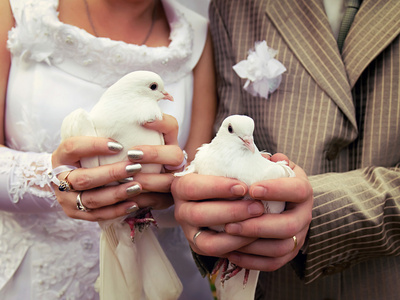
x=65 y=185
x=295 y=242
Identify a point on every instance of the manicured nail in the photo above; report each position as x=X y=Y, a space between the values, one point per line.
x=133 y=169
x=256 y=209
x=238 y=190
x=132 y=209
x=126 y=180
x=259 y=192
x=135 y=154
x=114 y=146
x=133 y=190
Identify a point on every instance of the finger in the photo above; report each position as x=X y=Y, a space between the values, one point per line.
x=101 y=197
x=212 y=213
x=73 y=149
x=84 y=179
x=212 y=243
x=207 y=187
x=168 y=126
x=279 y=157
x=104 y=203
x=156 y=154
x=276 y=226
x=107 y=213
x=268 y=255
x=155 y=182
x=262 y=263
x=275 y=247
x=154 y=200
x=293 y=189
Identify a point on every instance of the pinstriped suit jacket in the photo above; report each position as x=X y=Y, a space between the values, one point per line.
x=338 y=117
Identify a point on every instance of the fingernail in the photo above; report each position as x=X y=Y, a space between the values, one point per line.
x=233 y=228
x=132 y=209
x=126 y=180
x=259 y=192
x=255 y=209
x=238 y=190
x=133 y=190
x=133 y=169
x=114 y=146
x=135 y=154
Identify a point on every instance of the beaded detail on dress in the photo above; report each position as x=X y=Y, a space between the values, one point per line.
x=28 y=175
x=40 y=36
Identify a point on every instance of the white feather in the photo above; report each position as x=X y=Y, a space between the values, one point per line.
x=232 y=153
x=119 y=115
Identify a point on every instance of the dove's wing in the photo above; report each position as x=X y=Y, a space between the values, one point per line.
x=79 y=123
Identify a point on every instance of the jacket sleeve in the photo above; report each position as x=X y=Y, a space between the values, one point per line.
x=356 y=217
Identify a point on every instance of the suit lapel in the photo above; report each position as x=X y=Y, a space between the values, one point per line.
x=362 y=44
x=305 y=20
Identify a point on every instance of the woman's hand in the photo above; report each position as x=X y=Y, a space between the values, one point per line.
x=251 y=239
x=99 y=193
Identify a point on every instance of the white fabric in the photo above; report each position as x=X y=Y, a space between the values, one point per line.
x=262 y=71
x=55 y=69
x=335 y=10
x=22 y=182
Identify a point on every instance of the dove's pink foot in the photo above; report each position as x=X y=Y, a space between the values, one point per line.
x=229 y=273
x=140 y=221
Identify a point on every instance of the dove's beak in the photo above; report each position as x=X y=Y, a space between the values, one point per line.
x=167 y=96
x=249 y=143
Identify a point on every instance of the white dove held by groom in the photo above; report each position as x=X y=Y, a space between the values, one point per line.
x=232 y=153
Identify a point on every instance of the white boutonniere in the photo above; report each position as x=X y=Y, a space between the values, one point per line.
x=262 y=71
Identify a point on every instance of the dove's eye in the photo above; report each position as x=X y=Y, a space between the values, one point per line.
x=153 y=86
x=230 y=128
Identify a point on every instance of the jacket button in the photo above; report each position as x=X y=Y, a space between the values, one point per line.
x=332 y=153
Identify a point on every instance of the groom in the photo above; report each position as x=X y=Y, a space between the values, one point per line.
x=336 y=115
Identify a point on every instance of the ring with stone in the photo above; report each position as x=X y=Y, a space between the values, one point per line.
x=52 y=176
x=65 y=185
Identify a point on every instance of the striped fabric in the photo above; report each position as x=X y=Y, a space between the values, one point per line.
x=338 y=117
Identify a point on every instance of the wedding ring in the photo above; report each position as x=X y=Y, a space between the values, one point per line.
x=195 y=237
x=65 y=185
x=79 y=204
x=295 y=242
x=174 y=168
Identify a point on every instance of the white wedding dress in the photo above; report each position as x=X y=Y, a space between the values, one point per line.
x=57 y=68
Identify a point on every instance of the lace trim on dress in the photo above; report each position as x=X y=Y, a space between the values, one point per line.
x=28 y=174
x=40 y=36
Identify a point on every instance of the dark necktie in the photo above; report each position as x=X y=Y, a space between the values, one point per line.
x=352 y=7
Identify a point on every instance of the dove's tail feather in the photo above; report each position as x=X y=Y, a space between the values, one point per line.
x=111 y=236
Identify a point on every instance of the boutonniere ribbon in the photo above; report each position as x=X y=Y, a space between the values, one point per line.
x=262 y=71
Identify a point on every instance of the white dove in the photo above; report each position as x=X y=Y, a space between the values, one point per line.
x=139 y=269
x=232 y=153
